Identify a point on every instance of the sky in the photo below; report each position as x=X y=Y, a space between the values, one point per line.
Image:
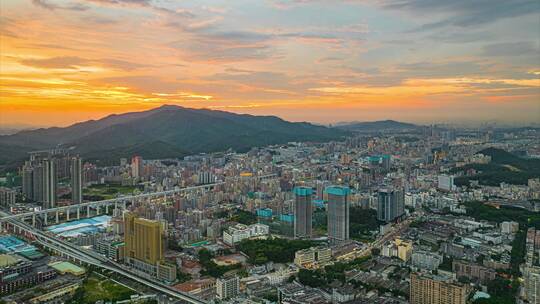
x=426 y=61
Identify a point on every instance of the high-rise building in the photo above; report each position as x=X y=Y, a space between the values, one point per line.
x=436 y=289
x=136 y=166
x=227 y=287
x=76 y=180
x=143 y=239
x=302 y=212
x=27 y=173
x=49 y=183
x=38 y=182
x=531 y=283
x=7 y=196
x=144 y=247
x=338 y=213
x=391 y=205
x=40 y=175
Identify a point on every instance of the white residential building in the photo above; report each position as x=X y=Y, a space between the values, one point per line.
x=235 y=234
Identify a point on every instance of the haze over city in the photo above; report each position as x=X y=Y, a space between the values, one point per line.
x=65 y=61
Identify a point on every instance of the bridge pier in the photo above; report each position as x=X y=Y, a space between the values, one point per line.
x=45 y=217
x=97 y=209
x=67 y=214
x=34 y=220
x=88 y=211
x=107 y=209
x=56 y=217
x=78 y=213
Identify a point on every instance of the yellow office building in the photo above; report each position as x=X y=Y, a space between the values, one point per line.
x=143 y=239
x=144 y=247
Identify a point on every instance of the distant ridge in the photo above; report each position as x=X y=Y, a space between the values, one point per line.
x=376 y=126
x=164 y=132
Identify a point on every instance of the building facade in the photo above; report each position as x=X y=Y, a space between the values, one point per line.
x=227 y=287
x=391 y=205
x=338 y=213
x=144 y=247
x=302 y=212
x=76 y=180
x=432 y=289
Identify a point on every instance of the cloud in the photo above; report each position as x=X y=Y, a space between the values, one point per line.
x=225 y=46
x=73 y=63
x=67 y=62
x=52 y=6
x=521 y=48
x=175 y=13
x=123 y=2
x=459 y=36
x=332 y=59
x=464 y=13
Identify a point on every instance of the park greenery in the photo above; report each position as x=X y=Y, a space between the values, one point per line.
x=501 y=291
x=336 y=272
x=244 y=217
x=504 y=167
x=107 y=191
x=276 y=250
x=95 y=288
x=362 y=222
x=485 y=212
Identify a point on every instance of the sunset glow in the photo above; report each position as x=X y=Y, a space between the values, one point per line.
x=64 y=61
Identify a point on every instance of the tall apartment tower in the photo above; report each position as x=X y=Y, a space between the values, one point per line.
x=27 y=173
x=432 y=289
x=49 y=183
x=391 y=205
x=38 y=182
x=136 y=166
x=302 y=212
x=338 y=213
x=76 y=180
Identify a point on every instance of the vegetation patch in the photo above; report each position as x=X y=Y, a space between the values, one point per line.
x=504 y=167
x=96 y=288
x=276 y=250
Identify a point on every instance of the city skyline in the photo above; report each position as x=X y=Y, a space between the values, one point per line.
x=66 y=61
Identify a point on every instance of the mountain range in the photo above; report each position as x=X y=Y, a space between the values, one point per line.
x=164 y=132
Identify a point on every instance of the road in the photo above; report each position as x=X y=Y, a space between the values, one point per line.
x=93 y=258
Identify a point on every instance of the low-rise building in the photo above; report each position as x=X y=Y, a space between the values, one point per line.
x=312 y=257
x=296 y=293
x=111 y=248
x=235 y=234
x=202 y=288
x=509 y=227
x=426 y=260
x=472 y=271
x=227 y=287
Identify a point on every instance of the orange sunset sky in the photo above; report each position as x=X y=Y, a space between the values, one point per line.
x=63 y=61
